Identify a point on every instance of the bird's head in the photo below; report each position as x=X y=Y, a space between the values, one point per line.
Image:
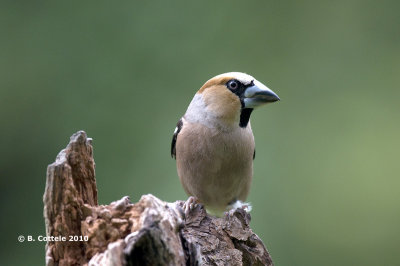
x=231 y=97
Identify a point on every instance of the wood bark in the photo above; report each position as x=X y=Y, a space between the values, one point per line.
x=149 y=232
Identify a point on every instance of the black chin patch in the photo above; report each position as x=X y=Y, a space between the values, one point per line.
x=245 y=116
x=239 y=90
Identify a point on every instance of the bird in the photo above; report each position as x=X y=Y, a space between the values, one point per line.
x=213 y=142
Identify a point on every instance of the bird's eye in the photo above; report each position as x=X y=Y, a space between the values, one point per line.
x=233 y=84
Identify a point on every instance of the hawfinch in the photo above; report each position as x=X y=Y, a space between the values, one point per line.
x=213 y=143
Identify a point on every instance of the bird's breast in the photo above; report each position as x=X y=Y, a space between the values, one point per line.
x=215 y=166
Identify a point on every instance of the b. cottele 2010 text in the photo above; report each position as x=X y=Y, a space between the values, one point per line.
x=58 y=238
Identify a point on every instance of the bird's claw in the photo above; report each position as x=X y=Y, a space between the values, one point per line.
x=189 y=205
x=240 y=205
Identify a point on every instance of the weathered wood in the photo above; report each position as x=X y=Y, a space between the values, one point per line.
x=149 y=232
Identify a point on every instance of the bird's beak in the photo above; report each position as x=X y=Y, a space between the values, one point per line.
x=258 y=94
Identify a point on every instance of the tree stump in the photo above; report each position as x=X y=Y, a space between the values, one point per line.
x=149 y=232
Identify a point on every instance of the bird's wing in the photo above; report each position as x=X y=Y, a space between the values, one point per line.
x=254 y=154
x=174 y=137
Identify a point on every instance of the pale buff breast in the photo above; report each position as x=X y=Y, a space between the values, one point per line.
x=215 y=166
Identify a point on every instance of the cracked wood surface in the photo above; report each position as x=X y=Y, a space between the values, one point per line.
x=149 y=232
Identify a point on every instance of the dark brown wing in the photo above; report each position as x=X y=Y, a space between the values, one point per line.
x=174 y=137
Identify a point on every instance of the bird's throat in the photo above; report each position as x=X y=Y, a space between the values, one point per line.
x=245 y=116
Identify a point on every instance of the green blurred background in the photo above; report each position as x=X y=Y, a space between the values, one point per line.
x=327 y=173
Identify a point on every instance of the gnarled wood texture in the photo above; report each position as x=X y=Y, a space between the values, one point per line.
x=149 y=232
